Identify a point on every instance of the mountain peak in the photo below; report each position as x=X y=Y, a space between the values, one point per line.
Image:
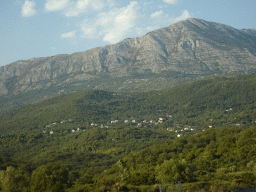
x=192 y=47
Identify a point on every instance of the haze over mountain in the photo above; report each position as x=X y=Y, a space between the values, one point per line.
x=162 y=58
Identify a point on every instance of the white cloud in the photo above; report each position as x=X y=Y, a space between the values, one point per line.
x=159 y=19
x=83 y=6
x=185 y=15
x=68 y=35
x=28 y=9
x=111 y=3
x=56 y=5
x=171 y=1
x=114 y=25
x=157 y=15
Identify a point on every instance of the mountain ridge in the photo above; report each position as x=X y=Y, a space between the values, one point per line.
x=191 y=48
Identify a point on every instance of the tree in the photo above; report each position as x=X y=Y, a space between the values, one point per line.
x=12 y=180
x=51 y=177
x=173 y=170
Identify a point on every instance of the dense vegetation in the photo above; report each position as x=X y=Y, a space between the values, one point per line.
x=201 y=103
x=218 y=157
x=52 y=146
x=221 y=157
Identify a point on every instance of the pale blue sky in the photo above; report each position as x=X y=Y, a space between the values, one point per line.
x=33 y=28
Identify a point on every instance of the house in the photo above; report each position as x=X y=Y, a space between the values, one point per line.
x=237 y=124
x=139 y=124
x=92 y=124
x=63 y=121
x=170 y=129
x=51 y=132
x=126 y=121
x=144 y=121
x=192 y=129
x=115 y=121
x=186 y=129
x=151 y=121
x=161 y=119
x=107 y=126
x=210 y=126
x=133 y=121
x=179 y=135
x=101 y=126
x=176 y=131
x=77 y=129
x=73 y=130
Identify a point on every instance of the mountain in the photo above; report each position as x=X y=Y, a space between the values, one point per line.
x=162 y=58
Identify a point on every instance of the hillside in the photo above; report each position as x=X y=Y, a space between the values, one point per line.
x=181 y=52
x=215 y=159
x=74 y=133
x=203 y=103
x=218 y=159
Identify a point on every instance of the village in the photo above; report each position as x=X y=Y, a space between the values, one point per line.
x=176 y=128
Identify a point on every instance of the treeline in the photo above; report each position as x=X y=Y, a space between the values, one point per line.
x=218 y=158
x=215 y=102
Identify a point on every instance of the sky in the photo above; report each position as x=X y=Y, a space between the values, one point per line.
x=42 y=28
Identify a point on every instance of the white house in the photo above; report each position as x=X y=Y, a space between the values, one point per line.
x=133 y=121
x=115 y=121
x=51 y=132
x=126 y=121
x=179 y=135
x=73 y=130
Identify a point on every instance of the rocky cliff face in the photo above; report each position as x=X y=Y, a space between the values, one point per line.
x=193 y=46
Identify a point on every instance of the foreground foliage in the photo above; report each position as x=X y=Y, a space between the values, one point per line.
x=222 y=157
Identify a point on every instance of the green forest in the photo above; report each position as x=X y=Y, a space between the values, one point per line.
x=68 y=143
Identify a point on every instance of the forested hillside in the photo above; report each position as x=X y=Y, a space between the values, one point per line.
x=221 y=158
x=204 y=103
x=73 y=135
x=218 y=158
